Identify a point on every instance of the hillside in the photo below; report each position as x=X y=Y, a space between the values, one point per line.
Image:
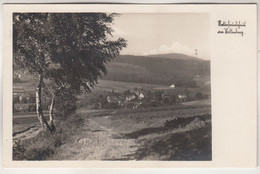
x=178 y=69
x=158 y=70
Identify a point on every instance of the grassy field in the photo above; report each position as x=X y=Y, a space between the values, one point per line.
x=109 y=85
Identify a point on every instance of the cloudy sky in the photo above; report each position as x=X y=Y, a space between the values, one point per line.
x=162 y=33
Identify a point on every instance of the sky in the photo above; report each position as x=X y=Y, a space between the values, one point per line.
x=162 y=33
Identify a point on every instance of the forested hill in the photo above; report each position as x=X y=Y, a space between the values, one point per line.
x=173 y=68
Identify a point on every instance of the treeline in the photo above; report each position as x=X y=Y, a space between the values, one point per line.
x=153 y=70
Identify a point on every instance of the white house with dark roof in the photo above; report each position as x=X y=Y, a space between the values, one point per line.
x=172 y=86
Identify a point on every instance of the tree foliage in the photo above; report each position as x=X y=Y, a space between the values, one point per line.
x=65 y=104
x=71 y=49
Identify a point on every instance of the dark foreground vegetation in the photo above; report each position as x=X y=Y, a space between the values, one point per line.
x=46 y=144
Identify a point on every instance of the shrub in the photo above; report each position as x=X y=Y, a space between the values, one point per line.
x=110 y=106
x=23 y=100
x=196 y=123
x=191 y=122
x=32 y=107
x=152 y=103
x=31 y=98
x=199 y=96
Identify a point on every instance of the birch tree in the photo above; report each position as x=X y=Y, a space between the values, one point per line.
x=69 y=49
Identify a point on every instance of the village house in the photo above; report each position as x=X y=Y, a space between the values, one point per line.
x=24 y=97
x=111 y=99
x=24 y=107
x=17 y=91
x=115 y=99
x=17 y=75
x=141 y=96
x=172 y=86
x=130 y=97
x=182 y=97
x=175 y=95
x=139 y=93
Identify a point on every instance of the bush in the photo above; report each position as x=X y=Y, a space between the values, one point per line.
x=197 y=121
x=151 y=104
x=24 y=151
x=199 y=96
x=23 y=100
x=31 y=98
x=32 y=107
x=110 y=106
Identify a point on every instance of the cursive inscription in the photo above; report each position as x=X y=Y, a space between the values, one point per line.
x=231 y=27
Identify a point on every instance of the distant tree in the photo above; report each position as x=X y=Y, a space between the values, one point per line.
x=166 y=101
x=68 y=49
x=173 y=98
x=199 y=96
x=15 y=99
x=127 y=92
x=31 y=98
x=22 y=99
x=158 y=95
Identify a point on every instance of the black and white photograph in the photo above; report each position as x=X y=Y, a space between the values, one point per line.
x=124 y=86
x=111 y=87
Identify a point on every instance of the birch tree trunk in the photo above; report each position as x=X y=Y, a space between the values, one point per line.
x=51 y=113
x=39 y=105
x=52 y=107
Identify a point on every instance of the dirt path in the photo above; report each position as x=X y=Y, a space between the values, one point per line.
x=98 y=143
